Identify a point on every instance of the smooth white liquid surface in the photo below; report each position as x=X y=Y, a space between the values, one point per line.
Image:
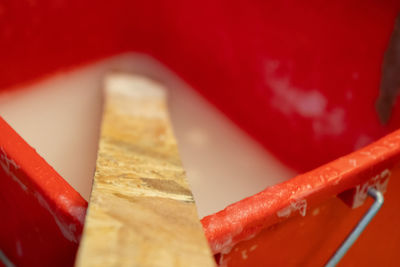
x=60 y=117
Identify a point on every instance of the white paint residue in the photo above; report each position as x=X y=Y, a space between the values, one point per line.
x=19 y=248
x=7 y=165
x=253 y=247
x=291 y=100
x=315 y=212
x=9 y=161
x=362 y=141
x=13 y=176
x=353 y=162
x=298 y=205
x=368 y=154
x=332 y=123
x=79 y=213
x=385 y=173
x=390 y=144
x=223 y=262
x=244 y=254
x=379 y=182
x=66 y=229
x=76 y=211
x=306 y=103
x=226 y=244
x=6 y=261
x=284 y=212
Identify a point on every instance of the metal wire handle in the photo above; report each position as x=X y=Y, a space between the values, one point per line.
x=346 y=245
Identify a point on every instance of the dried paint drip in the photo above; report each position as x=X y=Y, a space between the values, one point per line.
x=8 y=165
x=298 y=205
x=69 y=231
x=378 y=182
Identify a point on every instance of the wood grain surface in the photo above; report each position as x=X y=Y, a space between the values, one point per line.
x=141 y=210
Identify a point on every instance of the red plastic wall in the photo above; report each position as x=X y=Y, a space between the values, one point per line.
x=41 y=217
x=261 y=62
x=302 y=78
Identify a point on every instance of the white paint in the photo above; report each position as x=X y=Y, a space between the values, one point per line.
x=306 y=103
x=253 y=247
x=67 y=230
x=60 y=118
x=226 y=244
x=315 y=212
x=299 y=205
x=378 y=182
x=368 y=154
x=285 y=212
x=362 y=141
x=13 y=176
x=353 y=162
x=244 y=254
x=287 y=99
x=6 y=163
x=7 y=160
x=332 y=123
x=18 y=247
x=390 y=144
x=77 y=212
x=223 y=261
